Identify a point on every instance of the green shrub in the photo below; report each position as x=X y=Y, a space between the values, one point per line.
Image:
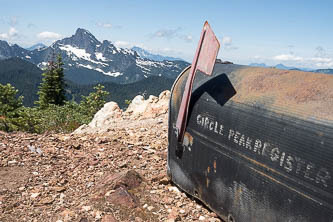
x=50 y=118
x=10 y=107
x=94 y=101
x=54 y=118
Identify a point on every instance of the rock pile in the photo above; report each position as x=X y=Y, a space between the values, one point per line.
x=139 y=109
x=118 y=174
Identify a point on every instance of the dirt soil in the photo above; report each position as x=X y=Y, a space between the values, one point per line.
x=117 y=176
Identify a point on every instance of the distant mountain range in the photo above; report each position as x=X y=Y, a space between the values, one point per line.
x=89 y=61
x=37 y=46
x=148 y=55
x=26 y=77
x=281 y=66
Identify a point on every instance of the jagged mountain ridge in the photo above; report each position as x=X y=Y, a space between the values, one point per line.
x=36 y=46
x=99 y=61
x=156 y=57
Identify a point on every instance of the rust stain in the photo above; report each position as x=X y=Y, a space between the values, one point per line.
x=188 y=139
x=207 y=182
x=214 y=164
x=208 y=169
x=302 y=94
x=237 y=194
x=283 y=184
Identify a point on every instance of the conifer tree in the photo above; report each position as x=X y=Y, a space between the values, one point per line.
x=9 y=107
x=52 y=88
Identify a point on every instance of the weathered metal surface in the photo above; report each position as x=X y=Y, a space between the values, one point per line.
x=258 y=144
x=204 y=61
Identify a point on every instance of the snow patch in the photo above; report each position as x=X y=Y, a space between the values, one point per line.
x=28 y=57
x=100 y=56
x=114 y=74
x=86 y=66
x=80 y=53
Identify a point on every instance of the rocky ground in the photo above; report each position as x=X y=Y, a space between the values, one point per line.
x=113 y=169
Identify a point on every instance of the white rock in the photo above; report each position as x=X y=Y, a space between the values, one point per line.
x=202 y=218
x=174 y=189
x=34 y=195
x=86 y=208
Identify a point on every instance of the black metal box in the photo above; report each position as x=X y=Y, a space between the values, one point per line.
x=258 y=144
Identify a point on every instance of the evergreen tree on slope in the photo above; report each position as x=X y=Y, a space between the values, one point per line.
x=52 y=88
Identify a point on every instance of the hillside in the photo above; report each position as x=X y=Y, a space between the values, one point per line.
x=26 y=77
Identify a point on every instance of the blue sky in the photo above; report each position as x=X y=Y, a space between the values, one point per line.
x=295 y=33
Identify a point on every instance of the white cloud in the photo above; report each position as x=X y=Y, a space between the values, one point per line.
x=312 y=62
x=226 y=41
x=123 y=44
x=324 y=65
x=48 y=35
x=288 y=57
x=166 y=33
x=12 y=32
x=187 y=38
x=321 y=60
x=3 y=36
x=105 y=25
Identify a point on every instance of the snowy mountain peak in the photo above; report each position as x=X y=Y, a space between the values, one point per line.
x=82 y=33
x=82 y=39
x=87 y=60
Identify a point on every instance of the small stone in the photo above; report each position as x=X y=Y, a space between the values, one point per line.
x=34 y=195
x=164 y=181
x=59 y=189
x=150 y=208
x=12 y=162
x=138 y=219
x=108 y=218
x=202 y=218
x=174 y=189
x=21 y=188
x=109 y=193
x=182 y=211
x=84 y=219
x=47 y=200
x=86 y=208
x=145 y=206
x=98 y=214
x=76 y=146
